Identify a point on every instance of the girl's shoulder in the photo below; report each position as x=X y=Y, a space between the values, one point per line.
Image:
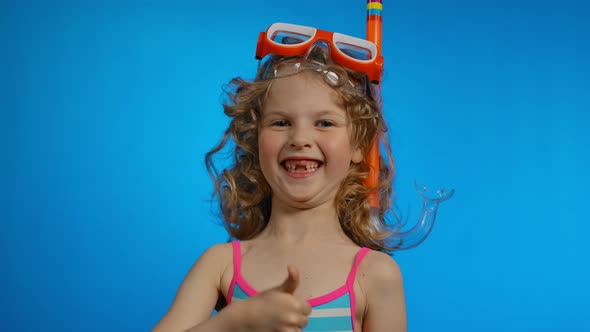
x=219 y=250
x=217 y=257
x=213 y=263
x=378 y=267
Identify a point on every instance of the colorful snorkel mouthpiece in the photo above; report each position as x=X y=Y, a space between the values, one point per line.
x=411 y=238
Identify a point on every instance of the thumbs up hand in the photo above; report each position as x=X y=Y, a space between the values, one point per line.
x=290 y=284
x=276 y=309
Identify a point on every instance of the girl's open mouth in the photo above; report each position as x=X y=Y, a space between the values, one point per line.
x=301 y=166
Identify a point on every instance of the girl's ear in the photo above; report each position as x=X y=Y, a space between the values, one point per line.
x=357 y=156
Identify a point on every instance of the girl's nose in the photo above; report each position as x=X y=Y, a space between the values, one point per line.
x=300 y=138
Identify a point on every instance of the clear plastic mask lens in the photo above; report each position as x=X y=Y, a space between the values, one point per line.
x=289 y=37
x=354 y=51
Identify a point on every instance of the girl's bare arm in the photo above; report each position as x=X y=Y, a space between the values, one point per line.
x=382 y=281
x=198 y=294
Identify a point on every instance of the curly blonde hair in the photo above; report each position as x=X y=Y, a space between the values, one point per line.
x=244 y=195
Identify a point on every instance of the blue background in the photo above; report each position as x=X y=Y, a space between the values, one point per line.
x=108 y=110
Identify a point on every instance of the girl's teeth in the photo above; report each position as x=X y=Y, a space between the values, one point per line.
x=310 y=167
x=307 y=167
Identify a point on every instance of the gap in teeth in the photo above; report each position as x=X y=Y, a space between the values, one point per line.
x=309 y=166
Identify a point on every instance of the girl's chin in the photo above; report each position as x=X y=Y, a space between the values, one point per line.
x=302 y=201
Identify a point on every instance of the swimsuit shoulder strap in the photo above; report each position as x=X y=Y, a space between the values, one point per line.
x=237 y=257
x=357 y=261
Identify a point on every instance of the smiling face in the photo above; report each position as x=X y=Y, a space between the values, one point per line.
x=304 y=141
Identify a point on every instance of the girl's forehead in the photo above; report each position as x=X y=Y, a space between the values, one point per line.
x=305 y=89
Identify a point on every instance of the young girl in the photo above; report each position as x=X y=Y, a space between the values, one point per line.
x=306 y=256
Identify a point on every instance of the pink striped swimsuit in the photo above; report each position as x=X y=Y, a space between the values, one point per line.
x=333 y=312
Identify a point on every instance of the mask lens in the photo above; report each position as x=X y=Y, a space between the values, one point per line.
x=354 y=51
x=289 y=37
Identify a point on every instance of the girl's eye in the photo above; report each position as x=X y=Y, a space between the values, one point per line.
x=280 y=123
x=325 y=123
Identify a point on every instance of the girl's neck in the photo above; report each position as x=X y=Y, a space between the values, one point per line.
x=291 y=224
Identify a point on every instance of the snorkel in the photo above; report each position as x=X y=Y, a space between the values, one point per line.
x=374 y=8
x=399 y=240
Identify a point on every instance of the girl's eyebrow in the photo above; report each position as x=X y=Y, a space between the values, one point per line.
x=272 y=112
x=319 y=113
x=329 y=112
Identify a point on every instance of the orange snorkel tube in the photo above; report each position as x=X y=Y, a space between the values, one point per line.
x=398 y=240
x=374 y=22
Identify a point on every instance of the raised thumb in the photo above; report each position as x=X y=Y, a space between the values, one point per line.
x=290 y=284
